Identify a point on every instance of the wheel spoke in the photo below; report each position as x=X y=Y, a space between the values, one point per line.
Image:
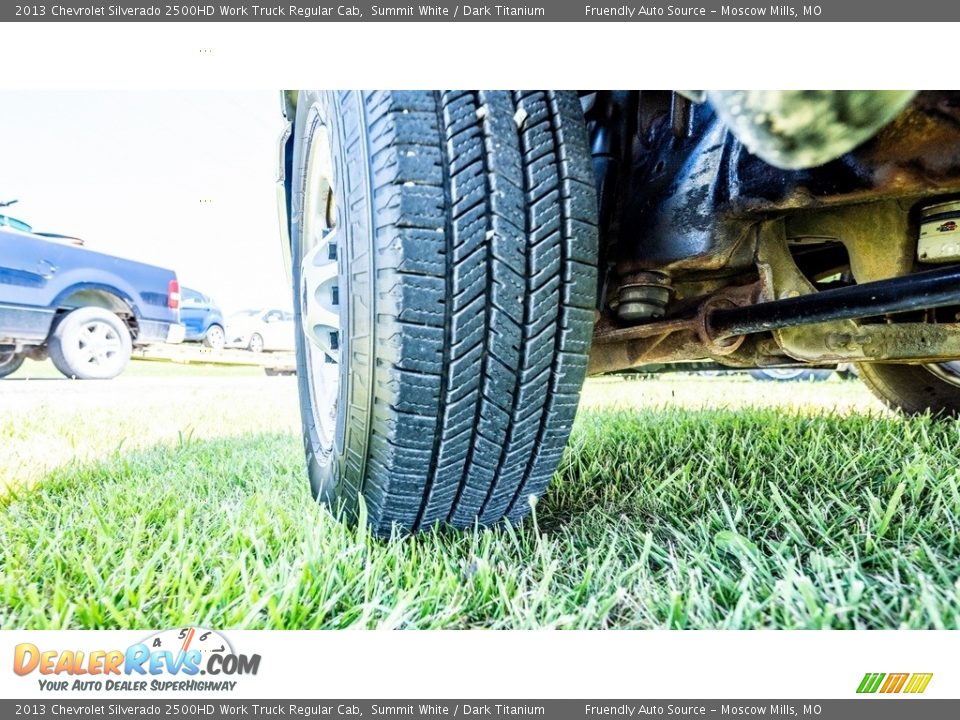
x=98 y=343
x=317 y=265
x=320 y=296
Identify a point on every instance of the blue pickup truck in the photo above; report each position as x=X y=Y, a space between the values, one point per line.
x=83 y=309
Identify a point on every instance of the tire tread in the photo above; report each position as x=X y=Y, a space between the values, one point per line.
x=485 y=248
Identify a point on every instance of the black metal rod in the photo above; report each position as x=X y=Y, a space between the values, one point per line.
x=920 y=291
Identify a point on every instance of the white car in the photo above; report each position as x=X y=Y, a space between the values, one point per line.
x=260 y=330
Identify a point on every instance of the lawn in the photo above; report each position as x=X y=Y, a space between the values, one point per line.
x=681 y=503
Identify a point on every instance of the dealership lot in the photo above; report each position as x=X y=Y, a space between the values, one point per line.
x=47 y=421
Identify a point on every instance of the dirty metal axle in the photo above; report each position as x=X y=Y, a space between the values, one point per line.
x=920 y=291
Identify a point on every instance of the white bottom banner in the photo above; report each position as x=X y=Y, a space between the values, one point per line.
x=504 y=664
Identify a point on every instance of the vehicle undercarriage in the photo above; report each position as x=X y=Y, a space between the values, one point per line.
x=710 y=251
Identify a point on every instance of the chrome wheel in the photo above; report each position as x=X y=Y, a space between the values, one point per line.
x=99 y=345
x=320 y=292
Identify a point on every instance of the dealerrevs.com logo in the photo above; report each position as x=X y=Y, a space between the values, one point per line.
x=170 y=660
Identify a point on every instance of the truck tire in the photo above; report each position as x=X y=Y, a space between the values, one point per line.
x=90 y=343
x=214 y=338
x=10 y=362
x=915 y=389
x=444 y=260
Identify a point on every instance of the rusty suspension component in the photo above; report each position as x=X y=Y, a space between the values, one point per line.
x=919 y=291
x=721 y=323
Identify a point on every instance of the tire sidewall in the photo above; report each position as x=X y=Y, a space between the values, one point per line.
x=912 y=389
x=327 y=467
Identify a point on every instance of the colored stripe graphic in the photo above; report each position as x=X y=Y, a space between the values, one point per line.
x=870 y=682
x=918 y=682
x=894 y=683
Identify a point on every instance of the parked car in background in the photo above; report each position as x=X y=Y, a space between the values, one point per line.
x=83 y=309
x=791 y=373
x=202 y=319
x=261 y=330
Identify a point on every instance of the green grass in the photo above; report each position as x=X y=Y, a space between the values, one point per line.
x=661 y=516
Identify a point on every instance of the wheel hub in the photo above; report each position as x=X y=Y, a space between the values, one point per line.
x=100 y=345
x=320 y=289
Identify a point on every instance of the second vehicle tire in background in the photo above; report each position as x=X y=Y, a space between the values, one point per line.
x=214 y=338
x=10 y=362
x=915 y=389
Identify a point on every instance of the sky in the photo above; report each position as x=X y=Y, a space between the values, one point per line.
x=185 y=180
